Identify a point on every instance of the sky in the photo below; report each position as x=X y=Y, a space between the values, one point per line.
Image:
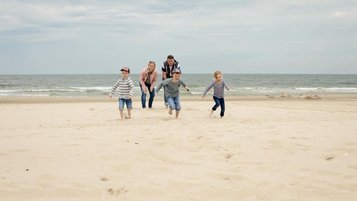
x=234 y=36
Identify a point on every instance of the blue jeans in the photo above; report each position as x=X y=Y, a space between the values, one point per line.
x=143 y=95
x=174 y=103
x=123 y=101
x=219 y=102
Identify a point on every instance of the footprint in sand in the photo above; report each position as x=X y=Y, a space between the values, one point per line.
x=228 y=156
x=117 y=192
x=329 y=157
x=104 y=179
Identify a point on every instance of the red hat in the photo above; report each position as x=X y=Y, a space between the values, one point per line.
x=125 y=69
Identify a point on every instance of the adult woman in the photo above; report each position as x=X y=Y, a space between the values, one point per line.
x=147 y=80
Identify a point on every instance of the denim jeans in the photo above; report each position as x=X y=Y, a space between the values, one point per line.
x=123 y=101
x=143 y=95
x=174 y=103
x=219 y=102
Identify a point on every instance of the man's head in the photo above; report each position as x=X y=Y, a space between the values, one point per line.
x=170 y=60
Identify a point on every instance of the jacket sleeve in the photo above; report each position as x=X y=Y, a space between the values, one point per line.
x=141 y=78
x=154 y=80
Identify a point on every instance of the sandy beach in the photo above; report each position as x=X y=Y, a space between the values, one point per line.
x=264 y=149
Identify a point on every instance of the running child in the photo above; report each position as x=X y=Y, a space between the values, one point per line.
x=171 y=87
x=125 y=86
x=218 y=85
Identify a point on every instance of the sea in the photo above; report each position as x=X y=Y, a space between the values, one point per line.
x=240 y=84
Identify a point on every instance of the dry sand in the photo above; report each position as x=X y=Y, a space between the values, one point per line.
x=289 y=150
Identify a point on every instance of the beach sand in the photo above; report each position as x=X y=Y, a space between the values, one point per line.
x=79 y=150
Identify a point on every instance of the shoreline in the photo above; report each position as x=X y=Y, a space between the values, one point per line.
x=76 y=99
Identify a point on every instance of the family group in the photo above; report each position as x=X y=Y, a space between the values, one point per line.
x=171 y=82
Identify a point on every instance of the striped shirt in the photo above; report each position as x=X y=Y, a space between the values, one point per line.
x=125 y=86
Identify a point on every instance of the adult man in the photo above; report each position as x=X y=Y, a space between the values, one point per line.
x=167 y=67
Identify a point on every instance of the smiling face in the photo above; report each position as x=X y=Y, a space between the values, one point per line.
x=176 y=76
x=170 y=62
x=151 y=67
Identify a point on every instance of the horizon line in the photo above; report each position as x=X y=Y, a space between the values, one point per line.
x=183 y=74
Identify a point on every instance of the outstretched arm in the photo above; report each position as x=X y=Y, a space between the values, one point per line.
x=159 y=87
x=131 y=85
x=113 y=89
x=226 y=86
x=207 y=89
x=184 y=85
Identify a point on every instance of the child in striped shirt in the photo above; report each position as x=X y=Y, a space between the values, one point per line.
x=125 y=85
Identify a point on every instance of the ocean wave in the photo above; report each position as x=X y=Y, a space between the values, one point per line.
x=342 y=89
x=198 y=90
x=22 y=94
x=8 y=85
x=88 y=89
x=328 y=89
x=348 y=83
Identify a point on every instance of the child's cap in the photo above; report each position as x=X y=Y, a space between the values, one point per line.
x=175 y=70
x=126 y=69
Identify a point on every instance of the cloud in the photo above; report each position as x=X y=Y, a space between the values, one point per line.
x=344 y=15
x=227 y=31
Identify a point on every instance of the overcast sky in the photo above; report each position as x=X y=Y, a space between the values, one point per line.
x=234 y=36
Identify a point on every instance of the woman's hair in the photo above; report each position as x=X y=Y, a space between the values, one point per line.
x=152 y=62
x=217 y=73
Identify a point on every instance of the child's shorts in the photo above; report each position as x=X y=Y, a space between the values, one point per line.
x=174 y=103
x=123 y=101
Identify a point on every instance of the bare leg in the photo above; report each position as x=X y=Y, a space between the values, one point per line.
x=121 y=114
x=129 y=114
x=170 y=111
x=177 y=113
x=210 y=114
